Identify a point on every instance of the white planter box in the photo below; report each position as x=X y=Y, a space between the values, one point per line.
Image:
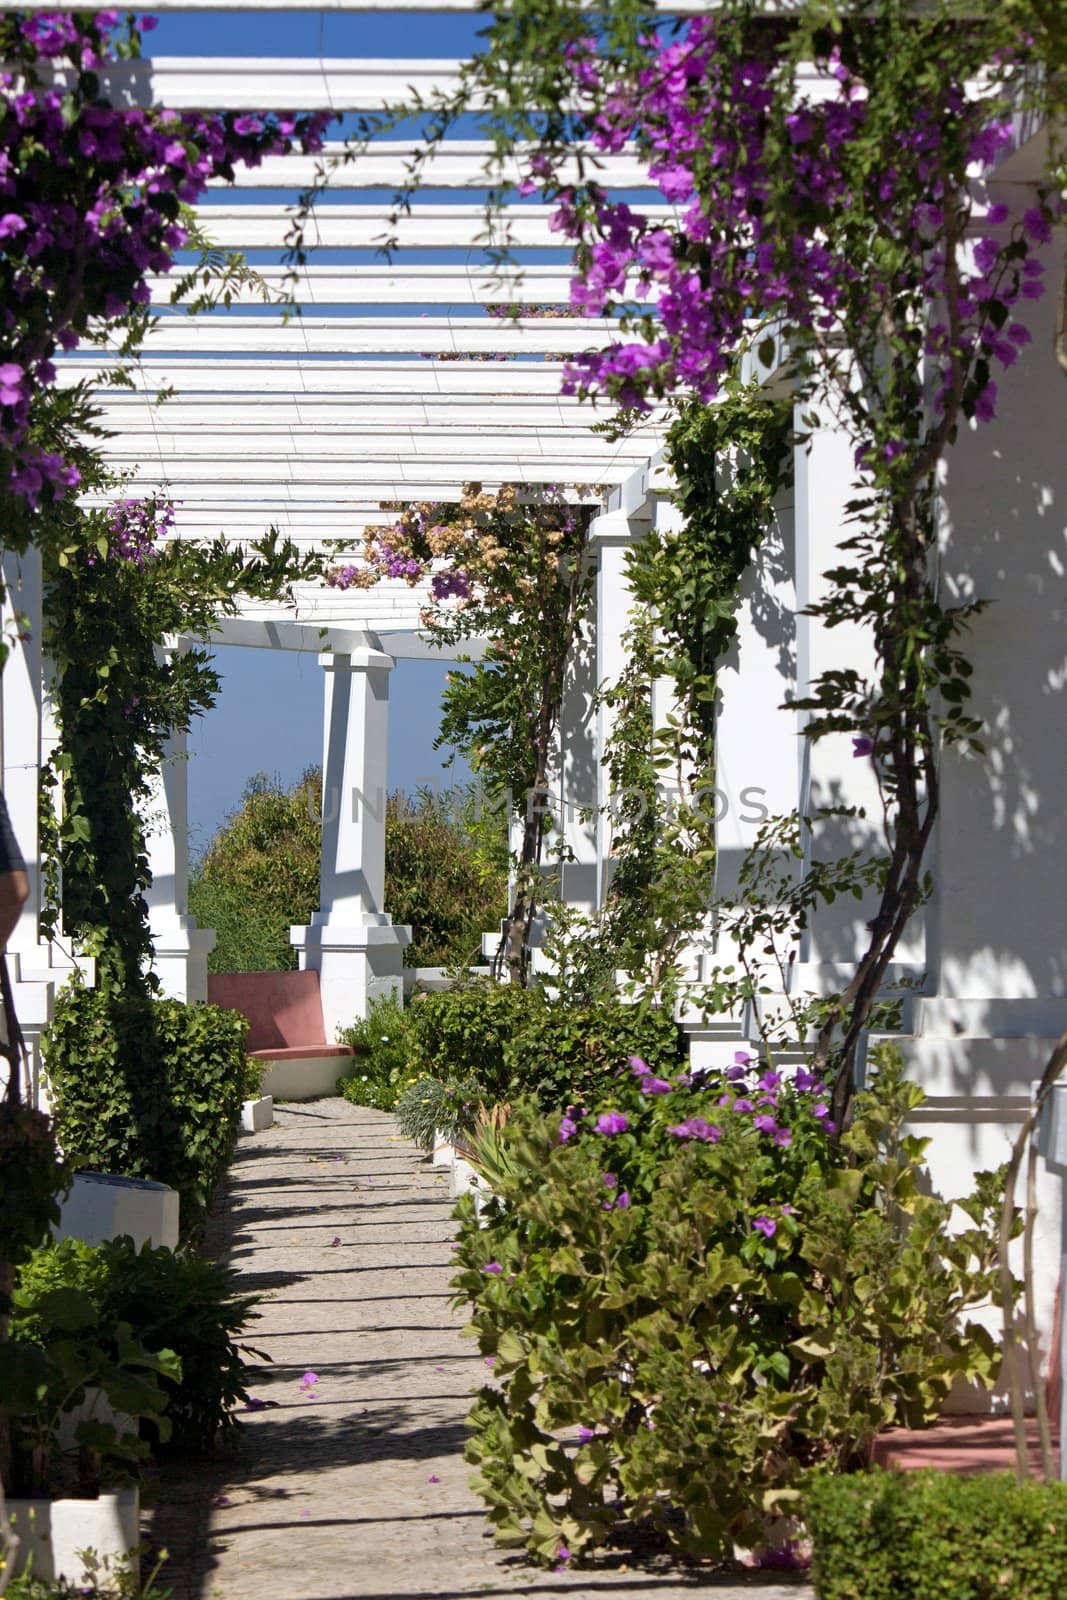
x=444 y=1153
x=52 y=1533
x=101 y=1207
x=257 y=1114
x=466 y=1179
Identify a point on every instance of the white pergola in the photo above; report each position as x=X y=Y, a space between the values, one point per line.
x=309 y=423
x=392 y=384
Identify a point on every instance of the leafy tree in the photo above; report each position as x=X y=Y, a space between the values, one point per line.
x=445 y=874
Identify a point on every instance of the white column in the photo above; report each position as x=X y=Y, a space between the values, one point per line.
x=181 y=948
x=37 y=968
x=609 y=538
x=575 y=795
x=351 y=941
x=831 y=774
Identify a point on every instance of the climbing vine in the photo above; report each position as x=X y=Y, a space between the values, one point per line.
x=118 y=593
x=507 y=567
x=831 y=229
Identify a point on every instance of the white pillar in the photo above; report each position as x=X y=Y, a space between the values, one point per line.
x=831 y=774
x=351 y=941
x=575 y=794
x=36 y=967
x=609 y=538
x=181 y=948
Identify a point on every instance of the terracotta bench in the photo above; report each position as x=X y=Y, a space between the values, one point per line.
x=286 y=1030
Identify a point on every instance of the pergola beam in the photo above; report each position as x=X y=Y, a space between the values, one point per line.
x=364 y=227
x=273 y=335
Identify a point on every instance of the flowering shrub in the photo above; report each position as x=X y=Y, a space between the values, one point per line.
x=507 y=567
x=90 y=201
x=695 y=1298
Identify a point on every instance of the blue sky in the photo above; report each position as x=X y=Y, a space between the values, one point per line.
x=269 y=716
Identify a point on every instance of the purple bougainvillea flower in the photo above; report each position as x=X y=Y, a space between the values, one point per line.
x=433 y=1478
x=610 y=1180
x=335 y=1241
x=743 y=1107
x=623 y=1201
x=806 y=1081
x=489 y=1361
x=309 y=1380
x=862 y=745
x=765 y=1124
x=255 y=1404
x=771 y=1080
x=743 y=1058
x=655 y=1086
x=637 y=1066
x=820 y=1109
x=611 y=1123
x=567 y=1129
x=585 y=1434
x=697 y=1128
x=734 y=1073
x=783 y=1137
x=492 y=1267
x=766 y=1225
x=222 y=1500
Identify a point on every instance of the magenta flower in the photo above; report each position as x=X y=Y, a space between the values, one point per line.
x=567 y=1129
x=743 y=1107
x=784 y=1138
x=585 y=1434
x=309 y=1380
x=697 y=1128
x=493 y=1268
x=765 y=1124
x=623 y=1201
x=638 y=1067
x=862 y=746
x=766 y=1225
x=610 y=1180
x=805 y=1080
x=611 y=1123
x=1036 y=225
x=655 y=1086
x=433 y=1478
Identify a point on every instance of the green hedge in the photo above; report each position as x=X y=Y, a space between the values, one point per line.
x=937 y=1536
x=147 y=1089
x=517 y=1041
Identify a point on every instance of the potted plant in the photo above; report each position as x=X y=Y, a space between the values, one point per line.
x=74 y=1407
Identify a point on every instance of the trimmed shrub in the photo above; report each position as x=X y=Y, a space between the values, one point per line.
x=469 y=1031
x=173 y=1300
x=696 y=1299
x=517 y=1041
x=564 y=1054
x=937 y=1536
x=147 y=1088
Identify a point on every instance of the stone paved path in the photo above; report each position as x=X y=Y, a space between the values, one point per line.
x=359 y=1488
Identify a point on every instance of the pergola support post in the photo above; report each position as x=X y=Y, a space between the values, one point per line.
x=351 y=942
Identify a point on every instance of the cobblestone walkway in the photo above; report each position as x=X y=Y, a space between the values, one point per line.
x=356 y=1485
